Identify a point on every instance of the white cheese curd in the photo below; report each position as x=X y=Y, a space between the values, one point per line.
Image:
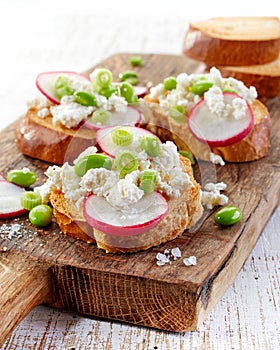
x=239 y=108
x=38 y=102
x=126 y=192
x=211 y=195
x=216 y=159
x=45 y=190
x=215 y=101
x=118 y=103
x=43 y=112
x=70 y=114
x=99 y=181
x=171 y=179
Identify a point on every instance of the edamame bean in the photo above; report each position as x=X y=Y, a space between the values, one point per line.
x=170 y=83
x=92 y=161
x=41 y=215
x=84 y=98
x=127 y=91
x=24 y=177
x=136 y=61
x=228 y=215
x=200 y=87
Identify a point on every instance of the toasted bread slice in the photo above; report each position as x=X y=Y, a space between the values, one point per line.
x=183 y=213
x=39 y=138
x=254 y=146
x=233 y=41
x=265 y=77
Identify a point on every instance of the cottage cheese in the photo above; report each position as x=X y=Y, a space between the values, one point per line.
x=70 y=114
x=216 y=159
x=211 y=195
x=182 y=95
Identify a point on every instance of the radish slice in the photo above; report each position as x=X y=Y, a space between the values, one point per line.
x=219 y=131
x=142 y=216
x=104 y=140
x=130 y=117
x=141 y=91
x=10 y=200
x=45 y=83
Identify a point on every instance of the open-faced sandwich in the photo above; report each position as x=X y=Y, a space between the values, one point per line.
x=136 y=194
x=206 y=113
x=71 y=105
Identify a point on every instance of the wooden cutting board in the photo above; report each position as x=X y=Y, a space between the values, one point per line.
x=42 y=266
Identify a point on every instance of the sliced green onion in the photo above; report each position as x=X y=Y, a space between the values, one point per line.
x=102 y=78
x=127 y=91
x=126 y=162
x=100 y=116
x=122 y=137
x=85 y=98
x=170 y=83
x=200 y=87
x=147 y=181
x=151 y=145
x=30 y=199
x=188 y=155
x=92 y=161
x=136 y=61
x=63 y=86
x=177 y=113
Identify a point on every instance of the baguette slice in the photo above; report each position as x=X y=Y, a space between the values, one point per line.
x=254 y=146
x=233 y=41
x=41 y=139
x=183 y=213
x=265 y=77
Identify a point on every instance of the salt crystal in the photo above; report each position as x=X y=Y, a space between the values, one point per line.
x=176 y=253
x=190 y=261
x=162 y=258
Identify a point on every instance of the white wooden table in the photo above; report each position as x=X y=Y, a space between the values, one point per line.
x=39 y=36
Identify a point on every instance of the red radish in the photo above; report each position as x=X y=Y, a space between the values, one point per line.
x=219 y=132
x=142 y=216
x=2 y=178
x=105 y=142
x=45 y=82
x=130 y=117
x=141 y=91
x=10 y=200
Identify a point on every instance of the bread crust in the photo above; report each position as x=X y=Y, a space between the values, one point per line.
x=183 y=213
x=216 y=51
x=41 y=139
x=226 y=41
x=254 y=146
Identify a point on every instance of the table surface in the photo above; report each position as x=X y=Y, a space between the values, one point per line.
x=40 y=36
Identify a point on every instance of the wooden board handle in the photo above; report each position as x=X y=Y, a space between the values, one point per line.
x=24 y=284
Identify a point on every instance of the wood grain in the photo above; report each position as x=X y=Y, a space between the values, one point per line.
x=132 y=287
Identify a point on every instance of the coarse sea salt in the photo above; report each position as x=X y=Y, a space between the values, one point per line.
x=174 y=254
